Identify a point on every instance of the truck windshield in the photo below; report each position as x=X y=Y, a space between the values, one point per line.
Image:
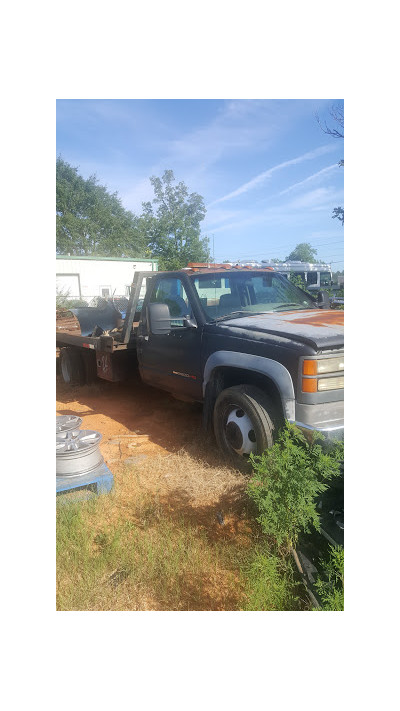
x=252 y=292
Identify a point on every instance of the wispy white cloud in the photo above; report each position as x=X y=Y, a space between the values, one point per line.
x=238 y=125
x=218 y=216
x=289 y=213
x=258 y=179
x=311 y=178
x=314 y=199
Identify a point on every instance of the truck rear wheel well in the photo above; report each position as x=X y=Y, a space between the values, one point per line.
x=227 y=377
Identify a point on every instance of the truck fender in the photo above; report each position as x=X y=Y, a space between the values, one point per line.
x=277 y=372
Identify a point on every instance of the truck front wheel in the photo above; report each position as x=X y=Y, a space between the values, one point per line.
x=242 y=422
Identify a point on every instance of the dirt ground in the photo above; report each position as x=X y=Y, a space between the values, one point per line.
x=155 y=444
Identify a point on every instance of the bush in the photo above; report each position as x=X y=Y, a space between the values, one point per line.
x=286 y=481
x=330 y=585
x=63 y=300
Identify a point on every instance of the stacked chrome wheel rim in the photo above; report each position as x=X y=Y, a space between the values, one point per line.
x=67 y=423
x=77 y=451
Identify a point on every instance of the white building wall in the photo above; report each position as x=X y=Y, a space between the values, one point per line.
x=86 y=278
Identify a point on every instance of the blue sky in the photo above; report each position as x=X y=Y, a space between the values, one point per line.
x=268 y=175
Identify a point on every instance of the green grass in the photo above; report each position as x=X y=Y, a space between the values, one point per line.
x=149 y=561
x=270 y=584
x=132 y=550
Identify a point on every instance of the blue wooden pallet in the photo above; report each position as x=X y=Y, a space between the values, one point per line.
x=85 y=486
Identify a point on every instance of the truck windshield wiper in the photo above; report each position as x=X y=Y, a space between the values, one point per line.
x=236 y=314
x=289 y=304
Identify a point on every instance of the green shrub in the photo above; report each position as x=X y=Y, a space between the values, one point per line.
x=64 y=301
x=286 y=481
x=330 y=586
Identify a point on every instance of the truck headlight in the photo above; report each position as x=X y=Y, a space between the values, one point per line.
x=313 y=368
x=330 y=383
x=319 y=366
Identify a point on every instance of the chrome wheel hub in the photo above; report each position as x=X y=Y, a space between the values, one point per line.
x=240 y=432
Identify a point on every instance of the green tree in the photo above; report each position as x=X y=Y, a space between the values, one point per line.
x=298 y=280
x=303 y=252
x=335 y=276
x=339 y=213
x=92 y=221
x=171 y=224
x=337 y=131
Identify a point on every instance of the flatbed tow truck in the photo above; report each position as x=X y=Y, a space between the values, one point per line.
x=248 y=344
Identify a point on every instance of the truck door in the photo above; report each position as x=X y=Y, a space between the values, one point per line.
x=171 y=361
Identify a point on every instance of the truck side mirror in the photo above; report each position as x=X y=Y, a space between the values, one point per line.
x=159 y=318
x=189 y=322
x=323 y=301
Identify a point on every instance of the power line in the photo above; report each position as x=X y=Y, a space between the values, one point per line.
x=321 y=244
x=312 y=241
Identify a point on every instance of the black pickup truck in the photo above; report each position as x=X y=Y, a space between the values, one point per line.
x=252 y=347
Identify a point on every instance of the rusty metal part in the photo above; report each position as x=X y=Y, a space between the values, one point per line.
x=66 y=322
x=318 y=328
x=321 y=318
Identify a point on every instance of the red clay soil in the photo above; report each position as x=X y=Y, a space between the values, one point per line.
x=153 y=443
x=130 y=414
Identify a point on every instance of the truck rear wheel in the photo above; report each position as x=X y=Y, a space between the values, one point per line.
x=72 y=367
x=90 y=365
x=242 y=422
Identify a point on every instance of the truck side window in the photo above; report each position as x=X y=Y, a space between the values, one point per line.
x=326 y=279
x=170 y=291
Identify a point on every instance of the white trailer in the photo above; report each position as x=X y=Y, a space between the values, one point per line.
x=315 y=276
x=83 y=277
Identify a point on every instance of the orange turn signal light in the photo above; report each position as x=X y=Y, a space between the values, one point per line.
x=310 y=367
x=309 y=385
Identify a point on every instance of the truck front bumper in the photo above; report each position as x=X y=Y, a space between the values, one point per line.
x=326 y=418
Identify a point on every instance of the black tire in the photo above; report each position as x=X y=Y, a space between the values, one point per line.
x=72 y=367
x=243 y=422
x=90 y=365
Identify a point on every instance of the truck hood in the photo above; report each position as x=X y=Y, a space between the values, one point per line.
x=320 y=328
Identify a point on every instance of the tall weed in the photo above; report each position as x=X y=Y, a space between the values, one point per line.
x=270 y=584
x=286 y=480
x=330 y=585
